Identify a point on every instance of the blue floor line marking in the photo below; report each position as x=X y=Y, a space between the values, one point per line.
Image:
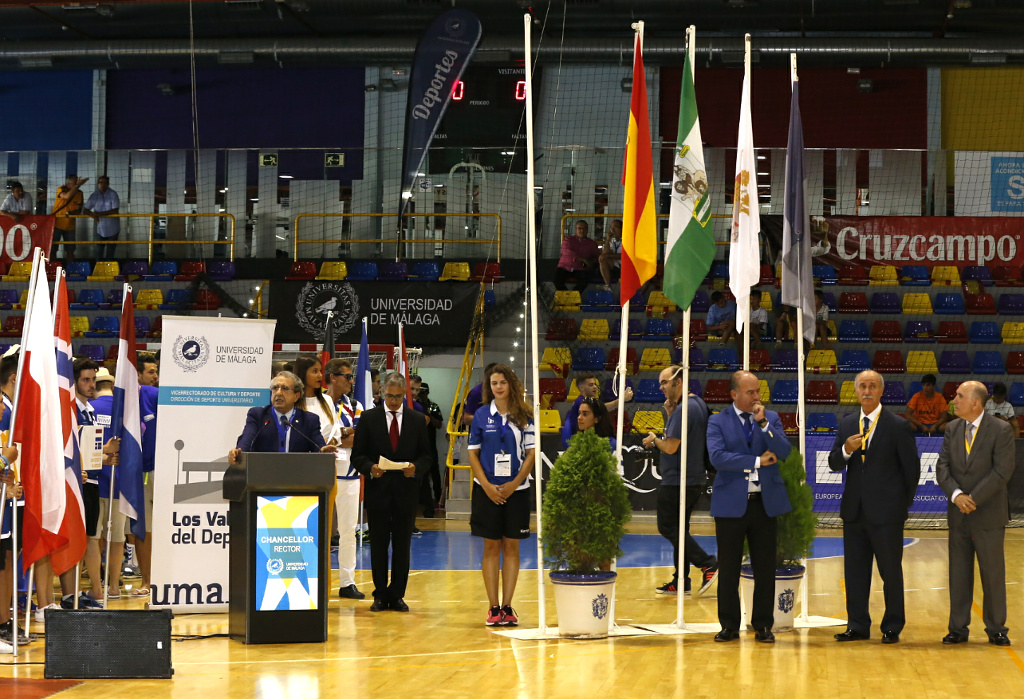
x=439 y=550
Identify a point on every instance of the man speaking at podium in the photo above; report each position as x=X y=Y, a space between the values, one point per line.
x=281 y=426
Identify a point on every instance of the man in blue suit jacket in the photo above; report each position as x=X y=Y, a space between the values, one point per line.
x=745 y=443
x=279 y=426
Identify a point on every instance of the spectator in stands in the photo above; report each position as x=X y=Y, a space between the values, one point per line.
x=474 y=399
x=588 y=387
x=758 y=320
x=579 y=256
x=928 y=408
x=722 y=317
x=821 y=320
x=17 y=203
x=785 y=320
x=103 y=206
x=67 y=203
x=346 y=499
x=610 y=259
x=149 y=370
x=997 y=406
x=501 y=455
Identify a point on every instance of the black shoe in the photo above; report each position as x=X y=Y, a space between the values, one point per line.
x=764 y=636
x=951 y=638
x=726 y=635
x=851 y=635
x=998 y=639
x=379 y=605
x=890 y=637
x=350 y=592
x=399 y=605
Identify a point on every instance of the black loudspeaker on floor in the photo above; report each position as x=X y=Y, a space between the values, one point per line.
x=93 y=644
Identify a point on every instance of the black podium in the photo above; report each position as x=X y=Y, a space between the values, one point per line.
x=279 y=544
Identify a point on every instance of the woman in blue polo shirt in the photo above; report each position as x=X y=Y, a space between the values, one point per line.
x=501 y=455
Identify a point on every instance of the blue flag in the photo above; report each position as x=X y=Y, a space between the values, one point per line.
x=797 y=278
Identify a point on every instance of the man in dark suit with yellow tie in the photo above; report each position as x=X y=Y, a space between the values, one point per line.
x=976 y=463
x=879 y=453
x=745 y=443
x=399 y=434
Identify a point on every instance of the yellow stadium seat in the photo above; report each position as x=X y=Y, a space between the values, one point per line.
x=766 y=301
x=649 y=421
x=655 y=359
x=945 y=275
x=556 y=359
x=19 y=272
x=79 y=325
x=574 y=392
x=567 y=301
x=917 y=304
x=1013 y=333
x=921 y=362
x=593 y=329
x=883 y=275
x=455 y=272
x=149 y=298
x=848 y=394
x=550 y=422
x=822 y=362
x=766 y=394
x=335 y=271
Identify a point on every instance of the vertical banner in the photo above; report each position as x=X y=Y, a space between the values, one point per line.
x=212 y=371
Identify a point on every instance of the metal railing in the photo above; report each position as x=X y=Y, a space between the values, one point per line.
x=416 y=241
x=230 y=242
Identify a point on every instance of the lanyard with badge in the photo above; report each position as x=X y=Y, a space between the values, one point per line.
x=503 y=461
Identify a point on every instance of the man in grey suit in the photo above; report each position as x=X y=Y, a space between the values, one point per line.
x=976 y=463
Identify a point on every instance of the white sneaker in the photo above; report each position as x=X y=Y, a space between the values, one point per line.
x=41 y=613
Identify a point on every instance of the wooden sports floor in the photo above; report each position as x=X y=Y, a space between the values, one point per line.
x=443 y=649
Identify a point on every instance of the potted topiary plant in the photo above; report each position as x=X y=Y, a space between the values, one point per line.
x=586 y=506
x=795 y=538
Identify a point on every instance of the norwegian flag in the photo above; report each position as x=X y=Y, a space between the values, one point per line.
x=73 y=525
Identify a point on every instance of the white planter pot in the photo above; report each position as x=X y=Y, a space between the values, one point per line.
x=584 y=603
x=787 y=582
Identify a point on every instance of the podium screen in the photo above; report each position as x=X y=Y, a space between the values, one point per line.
x=287 y=560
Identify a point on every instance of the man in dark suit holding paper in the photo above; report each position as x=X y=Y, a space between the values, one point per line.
x=976 y=463
x=392 y=450
x=281 y=426
x=745 y=443
x=879 y=453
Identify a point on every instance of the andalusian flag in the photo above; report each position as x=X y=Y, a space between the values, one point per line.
x=744 y=253
x=690 y=248
x=639 y=231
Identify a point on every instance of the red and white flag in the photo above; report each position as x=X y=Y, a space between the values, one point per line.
x=73 y=525
x=36 y=425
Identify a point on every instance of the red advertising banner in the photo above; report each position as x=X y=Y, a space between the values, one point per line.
x=917 y=240
x=19 y=239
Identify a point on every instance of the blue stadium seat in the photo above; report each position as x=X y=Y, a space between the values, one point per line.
x=722 y=359
x=822 y=423
x=588 y=359
x=700 y=303
x=785 y=391
x=894 y=393
x=633 y=330
x=854 y=331
x=785 y=360
x=824 y=275
x=915 y=275
x=854 y=361
x=648 y=391
x=424 y=271
x=658 y=328
x=954 y=362
x=988 y=363
x=362 y=271
x=985 y=332
x=918 y=331
x=948 y=304
x=1016 y=394
x=885 y=302
x=976 y=273
x=1011 y=304
x=597 y=300
x=87 y=299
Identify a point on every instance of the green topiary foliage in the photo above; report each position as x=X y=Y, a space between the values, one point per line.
x=796 y=529
x=586 y=507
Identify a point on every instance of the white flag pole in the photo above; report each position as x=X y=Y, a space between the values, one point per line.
x=531 y=253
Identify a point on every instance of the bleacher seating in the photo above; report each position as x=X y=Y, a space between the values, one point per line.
x=455 y=272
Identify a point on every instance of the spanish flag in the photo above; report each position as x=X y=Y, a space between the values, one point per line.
x=639 y=230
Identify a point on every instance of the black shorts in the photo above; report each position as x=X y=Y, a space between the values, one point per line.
x=91 y=500
x=492 y=521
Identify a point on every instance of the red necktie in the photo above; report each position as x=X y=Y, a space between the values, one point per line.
x=394 y=431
